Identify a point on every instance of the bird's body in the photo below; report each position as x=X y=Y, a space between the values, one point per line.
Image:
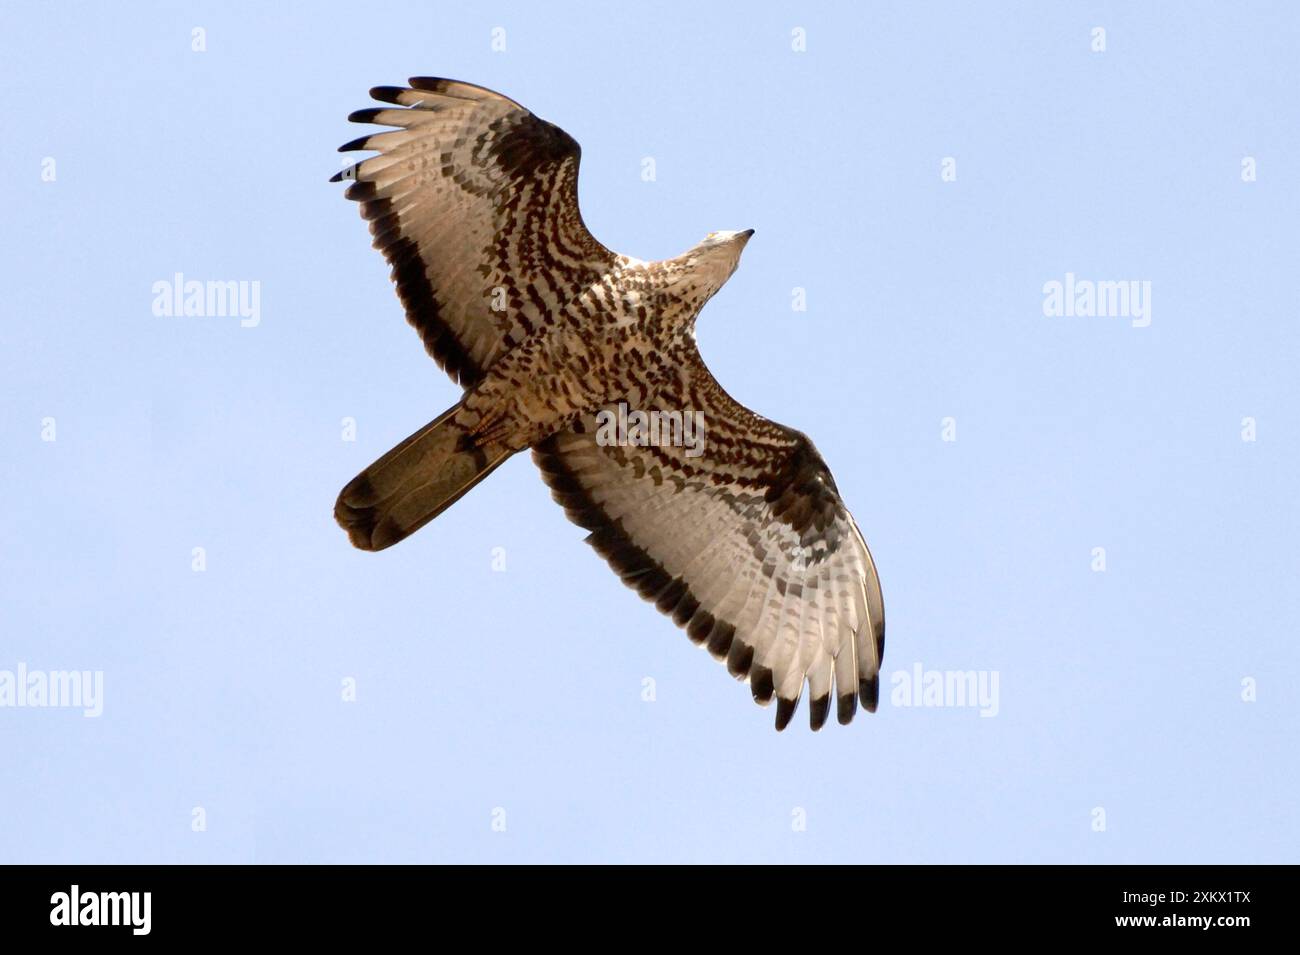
x=617 y=340
x=745 y=542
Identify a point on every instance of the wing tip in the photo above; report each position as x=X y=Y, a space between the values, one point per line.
x=785 y=710
x=353 y=145
x=387 y=94
x=430 y=84
x=869 y=692
x=846 y=706
x=818 y=709
x=739 y=659
x=699 y=627
x=722 y=638
x=366 y=115
x=359 y=191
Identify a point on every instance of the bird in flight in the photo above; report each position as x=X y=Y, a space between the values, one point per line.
x=740 y=535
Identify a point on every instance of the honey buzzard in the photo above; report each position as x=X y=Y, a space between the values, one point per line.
x=743 y=539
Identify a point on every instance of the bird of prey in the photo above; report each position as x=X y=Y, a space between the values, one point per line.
x=742 y=539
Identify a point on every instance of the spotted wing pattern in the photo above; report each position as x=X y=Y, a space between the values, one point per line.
x=747 y=545
x=473 y=201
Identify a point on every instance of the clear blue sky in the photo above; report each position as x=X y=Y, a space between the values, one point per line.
x=522 y=690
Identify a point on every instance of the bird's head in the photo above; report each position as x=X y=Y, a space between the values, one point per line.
x=723 y=247
x=711 y=262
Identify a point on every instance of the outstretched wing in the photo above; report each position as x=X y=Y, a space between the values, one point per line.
x=474 y=202
x=746 y=544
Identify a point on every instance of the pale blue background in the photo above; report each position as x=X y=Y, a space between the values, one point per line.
x=522 y=689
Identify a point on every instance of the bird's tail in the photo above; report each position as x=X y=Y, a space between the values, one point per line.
x=414 y=483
